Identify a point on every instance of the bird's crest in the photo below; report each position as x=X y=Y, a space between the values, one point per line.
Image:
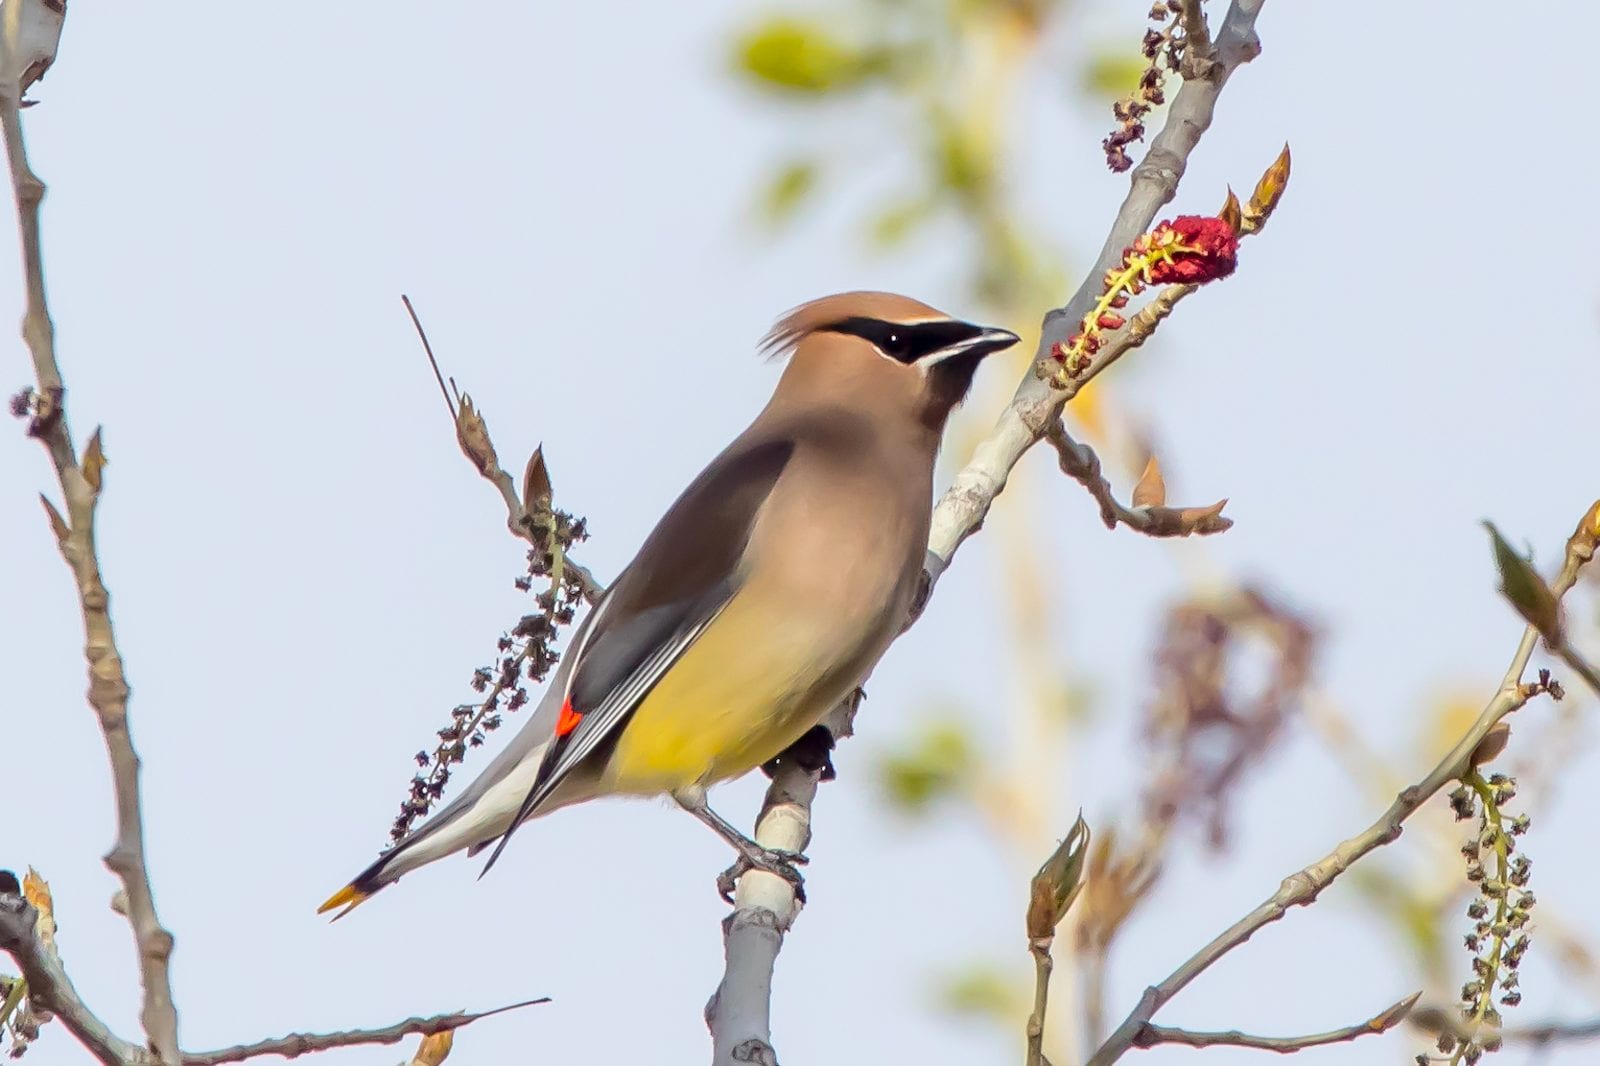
x=821 y=313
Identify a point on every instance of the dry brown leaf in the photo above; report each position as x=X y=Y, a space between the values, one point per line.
x=1231 y=212
x=1205 y=520
x=1187 y=521
x=57 y=523
x=472 y=433
x=1058 y=882
x=1493 y=743
x=1269 y=190
x=434 y=1049
x=94 y=461
x=37 y=892
x=1151 y=491
x=537 y=493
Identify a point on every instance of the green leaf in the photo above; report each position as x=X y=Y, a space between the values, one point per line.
x=800 y=56
x=1522 y=586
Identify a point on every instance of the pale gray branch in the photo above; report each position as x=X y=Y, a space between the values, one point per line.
x=1154 y=182
x=1382 y=1022
x=1302 y=887
x=764 y=908
x=80 y=485
x=50 y=987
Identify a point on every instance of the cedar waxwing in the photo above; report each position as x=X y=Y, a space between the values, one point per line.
x=763 y=597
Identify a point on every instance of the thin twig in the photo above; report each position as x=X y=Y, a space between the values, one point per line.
x=80 y=485
x=296 y=1044
x=1382 y=1022
x=1579 y=665
x=1153 y=183
x=1079 y=462
x=1554 y=1033
x=51 y=988
x=422 y=335
x=473 y=435
x=1302 y=887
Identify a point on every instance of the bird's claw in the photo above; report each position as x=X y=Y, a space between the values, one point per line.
x=768 y=860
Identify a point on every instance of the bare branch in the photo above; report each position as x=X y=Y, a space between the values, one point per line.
x=1079 y=462
x=450 y=404
x=764 y=907
x=80 y=486
x=1302 y=887
x=50 y=987
x=1382 y=1022
x=961 y=511
x=472 y=432
x=296 y=1044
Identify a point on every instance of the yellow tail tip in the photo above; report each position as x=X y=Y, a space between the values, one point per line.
x=349 y=897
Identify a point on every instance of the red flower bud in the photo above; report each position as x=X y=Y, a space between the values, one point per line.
x=1198 y=248
x=1120 y=300
x=1111 y=320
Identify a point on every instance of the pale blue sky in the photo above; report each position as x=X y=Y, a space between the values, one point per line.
x=305 y=571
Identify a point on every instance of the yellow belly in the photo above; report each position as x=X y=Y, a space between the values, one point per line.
x=753 y=683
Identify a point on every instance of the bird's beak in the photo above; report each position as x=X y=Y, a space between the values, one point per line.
x=986 y=342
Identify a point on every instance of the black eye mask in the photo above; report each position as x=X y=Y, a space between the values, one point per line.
x=907 y=344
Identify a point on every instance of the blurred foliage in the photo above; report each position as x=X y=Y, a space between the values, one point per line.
x=793 y=55
x=1112 y=74
x=935 y=763
x=944 y=71
x=983 y=990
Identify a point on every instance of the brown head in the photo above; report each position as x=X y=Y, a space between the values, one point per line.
x=885 y=355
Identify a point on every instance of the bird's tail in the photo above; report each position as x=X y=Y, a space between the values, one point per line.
x=384 y=871
x=357 y=892
x=476 y=818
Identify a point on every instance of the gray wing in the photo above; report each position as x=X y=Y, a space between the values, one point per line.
x=686 y=572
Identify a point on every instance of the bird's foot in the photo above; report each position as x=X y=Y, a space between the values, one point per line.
x=768 y=860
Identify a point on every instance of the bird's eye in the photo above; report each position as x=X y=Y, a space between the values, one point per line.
x=895 y=344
